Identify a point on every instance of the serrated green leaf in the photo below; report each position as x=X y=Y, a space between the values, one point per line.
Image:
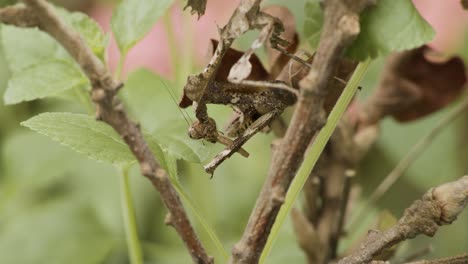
x=313 y=22
x=132 y=19
x=97 y=140
x=173 y=138
x=41 y=80
x=83 y=134
x=390 y=25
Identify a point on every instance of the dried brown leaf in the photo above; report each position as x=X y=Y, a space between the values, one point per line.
x=464 y=4
x=257 y=72
x=414 y=84
x=197 y=6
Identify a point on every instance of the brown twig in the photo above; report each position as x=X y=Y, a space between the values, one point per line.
x=18 y=16
x=349 y=175
x=462 y=259
x=438 y=206
x=335 y=168
x=306 y=235
x=110 y=110
x=341 y=26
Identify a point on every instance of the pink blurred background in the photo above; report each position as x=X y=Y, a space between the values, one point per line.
x=447 y=17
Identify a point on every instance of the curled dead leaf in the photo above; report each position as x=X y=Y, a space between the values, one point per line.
x=197 y=6
x=414 y=84
x=464 y=3
x=257 y=71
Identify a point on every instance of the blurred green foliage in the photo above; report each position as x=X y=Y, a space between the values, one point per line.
x=57 y=206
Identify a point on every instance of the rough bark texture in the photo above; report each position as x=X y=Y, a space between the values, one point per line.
x=438 y=206
x=341 y=26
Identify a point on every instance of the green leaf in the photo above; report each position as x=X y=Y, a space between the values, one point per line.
x=84 y=134
x=132 y=19
x=381 y=31
x=173 y=138
x=97 y=140
x=89 y=29
x=41 y=80
x=313 y=22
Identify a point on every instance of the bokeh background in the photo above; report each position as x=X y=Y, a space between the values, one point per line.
x=57 y=206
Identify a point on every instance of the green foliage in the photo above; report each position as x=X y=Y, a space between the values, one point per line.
x=89 y=30
x=148 y=95
x=40 y=66
x=42 y=80
x=83 y=134
x=25 y=47
x=132 y=19
x=313 y=22
x=97 y=140
x=68 y=233
x=381 y=33
x=143 y=90
x=56 y=207
x=7 y=2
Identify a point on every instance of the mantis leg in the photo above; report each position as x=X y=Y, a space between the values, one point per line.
x=258 y=125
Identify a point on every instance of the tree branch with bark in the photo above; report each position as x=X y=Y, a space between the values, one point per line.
x=438 y=206
x=41 y=14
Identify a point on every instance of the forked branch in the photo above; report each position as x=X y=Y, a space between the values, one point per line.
x=341 y=26
x=438 y=206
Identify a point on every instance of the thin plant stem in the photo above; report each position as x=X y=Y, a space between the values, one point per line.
x=414 y=153
x=314 y=153
x=128 y=212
